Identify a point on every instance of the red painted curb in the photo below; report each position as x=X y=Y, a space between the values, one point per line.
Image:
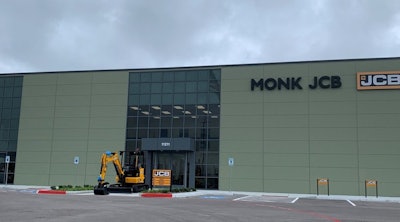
x=52 y=192
x=165 y=195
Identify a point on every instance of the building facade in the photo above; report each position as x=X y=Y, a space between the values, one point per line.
x=276 y=127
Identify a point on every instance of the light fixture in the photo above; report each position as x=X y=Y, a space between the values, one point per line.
x=214 y=117
x=145 y=112
x=194 y=117
x=200 y=107
x=134 y=107
x=156 y=107
x=178 y=107
x=166 y=112
x=186 y=112
x=206 y=112
x=156 y=117
x=176 y=117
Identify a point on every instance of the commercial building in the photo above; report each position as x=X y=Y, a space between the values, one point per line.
x=291 y=127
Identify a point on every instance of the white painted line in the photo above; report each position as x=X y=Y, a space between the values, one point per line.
x=240 y=198
x=294 y=201
x=351 y=203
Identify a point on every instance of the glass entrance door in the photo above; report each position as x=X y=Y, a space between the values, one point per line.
x=177 y=162
x=2 y=168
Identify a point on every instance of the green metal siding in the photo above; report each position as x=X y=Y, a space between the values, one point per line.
x=64 y=115
x=342 y=134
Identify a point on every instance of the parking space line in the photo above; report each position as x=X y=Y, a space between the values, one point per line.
x=294 y=201
x=351 y=203
x=240 y=198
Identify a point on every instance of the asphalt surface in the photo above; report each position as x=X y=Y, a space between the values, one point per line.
x=24 y=204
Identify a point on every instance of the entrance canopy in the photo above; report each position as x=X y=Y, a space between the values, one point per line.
x=168 y=144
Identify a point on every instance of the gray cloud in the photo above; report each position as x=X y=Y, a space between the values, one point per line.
x=53 y=35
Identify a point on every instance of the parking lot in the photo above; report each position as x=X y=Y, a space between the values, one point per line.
x=27 y=205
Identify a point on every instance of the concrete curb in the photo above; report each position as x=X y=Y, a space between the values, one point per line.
x=59 y=192
x=157 y=195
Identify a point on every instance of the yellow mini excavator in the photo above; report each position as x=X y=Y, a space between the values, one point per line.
x=130 y=177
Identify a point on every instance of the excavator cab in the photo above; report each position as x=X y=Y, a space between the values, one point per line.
x=130 y=176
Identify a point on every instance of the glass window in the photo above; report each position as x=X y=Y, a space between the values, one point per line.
x=165 y=133
x=212 y=183
x=6 y=114
x=12 y=145
x=214 y=98
x=213 y=145
x=133 y=100
x=191 y=98
x=145 y=77
x=132 y=122
x=16 y=102
x=143 y=122
x=179 y=98
x=156 y=87
x=156 y=77
x=212 y=170
x=201 y=145
x=203 y=74
x=180 y=76
x=214 y=86
x=8 y=91
x=201 y=157
x=167 y=87
x=134 y=88
x=213 y=121
x=202 y=98
x=155 y=99
x=213 y=158
x=15 y=113
x=215 y=74
x=200 y=170
x=191 y=86
x=9 y=81
x=142 y=133
x=131 y=134
x=191 y=132
x=168 y=77
x=144 y=99
x=213 y=133
x=167 y=99
x=134 y=77
x=154 y=121
x=131 y=144
x=18 y=81
x=14 y=123
x=191 y=75
x=5 y=124
x=202 y=86
x=166 y=122
x=7 y=102
x=145 y=88
x=17 y=92
x=154 y=133
x=177 y=121
x=200 y=183
x=190 y=121
x=180 y=87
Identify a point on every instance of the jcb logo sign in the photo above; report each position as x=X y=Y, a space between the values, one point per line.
x=161 y=173
x=161 y=177
x=378 y=80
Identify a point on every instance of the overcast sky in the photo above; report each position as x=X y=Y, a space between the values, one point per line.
x=58 y=35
